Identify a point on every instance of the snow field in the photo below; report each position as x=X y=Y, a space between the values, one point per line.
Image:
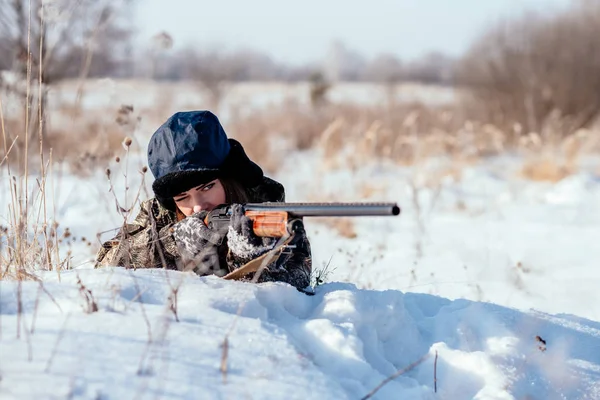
x=495 y=274
x=339 y=343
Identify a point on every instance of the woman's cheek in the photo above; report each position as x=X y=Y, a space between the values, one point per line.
x=185 y=208
x=220 y=197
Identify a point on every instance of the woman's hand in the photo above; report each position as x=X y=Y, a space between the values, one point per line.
x=241 y=239
x=197 y=244
x=292 y=265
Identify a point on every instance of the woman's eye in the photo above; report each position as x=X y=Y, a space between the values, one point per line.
x=207 y=187
x=180 y=199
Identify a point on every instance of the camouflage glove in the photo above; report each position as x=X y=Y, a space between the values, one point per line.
x=197 y=244
x=243 y=244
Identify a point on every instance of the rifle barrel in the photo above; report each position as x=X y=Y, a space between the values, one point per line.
x=328 y=209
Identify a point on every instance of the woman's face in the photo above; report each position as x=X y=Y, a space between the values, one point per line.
x=203 y=197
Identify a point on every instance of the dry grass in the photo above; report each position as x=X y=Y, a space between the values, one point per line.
x=555 y=158
x=92 y=140
x=344 y=227
x=347 y=135
x=376 y=131
x=411 y=134
x=546 y=169
x=86 y=142
x=30 y=241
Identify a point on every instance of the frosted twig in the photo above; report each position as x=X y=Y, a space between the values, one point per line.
x=435 y=372
x=58 y=340
x=394 y=376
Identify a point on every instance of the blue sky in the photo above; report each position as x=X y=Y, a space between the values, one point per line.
x=299 y=32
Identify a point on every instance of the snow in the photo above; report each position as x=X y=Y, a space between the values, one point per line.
x=487 y=236
x=481 y=268
x=242 y=97
x=340 y=343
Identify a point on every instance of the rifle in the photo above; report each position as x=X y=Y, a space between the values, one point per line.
x=280 y=219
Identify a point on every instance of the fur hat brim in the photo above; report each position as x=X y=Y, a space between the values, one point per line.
x=178 y=182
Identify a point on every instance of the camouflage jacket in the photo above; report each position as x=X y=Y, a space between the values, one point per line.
x=147 y=242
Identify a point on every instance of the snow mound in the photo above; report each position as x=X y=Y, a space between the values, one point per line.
x=340 y=343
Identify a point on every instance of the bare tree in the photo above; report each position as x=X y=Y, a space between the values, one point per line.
x=214 y=71
x=342 y=63
x=240 y=65
x=46 y=41
x=387 y=70
x=64 y=31
x=254 y=65
x=161 y=43
x=5 y=49
x=433 y=67
x=527 y=70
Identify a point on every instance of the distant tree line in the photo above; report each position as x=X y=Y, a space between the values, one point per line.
x=252 y=65
x=94 y=38
x=522 y=71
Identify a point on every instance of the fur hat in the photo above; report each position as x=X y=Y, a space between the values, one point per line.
x=192 y=148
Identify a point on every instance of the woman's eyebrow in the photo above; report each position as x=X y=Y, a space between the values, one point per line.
x=204 y=185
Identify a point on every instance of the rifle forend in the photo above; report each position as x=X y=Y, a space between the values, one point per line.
x=277 y=219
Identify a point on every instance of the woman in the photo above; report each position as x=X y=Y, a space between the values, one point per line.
x=196 y=168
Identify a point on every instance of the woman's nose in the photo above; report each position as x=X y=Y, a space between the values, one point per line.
x=198 y=203
x=201 y=204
